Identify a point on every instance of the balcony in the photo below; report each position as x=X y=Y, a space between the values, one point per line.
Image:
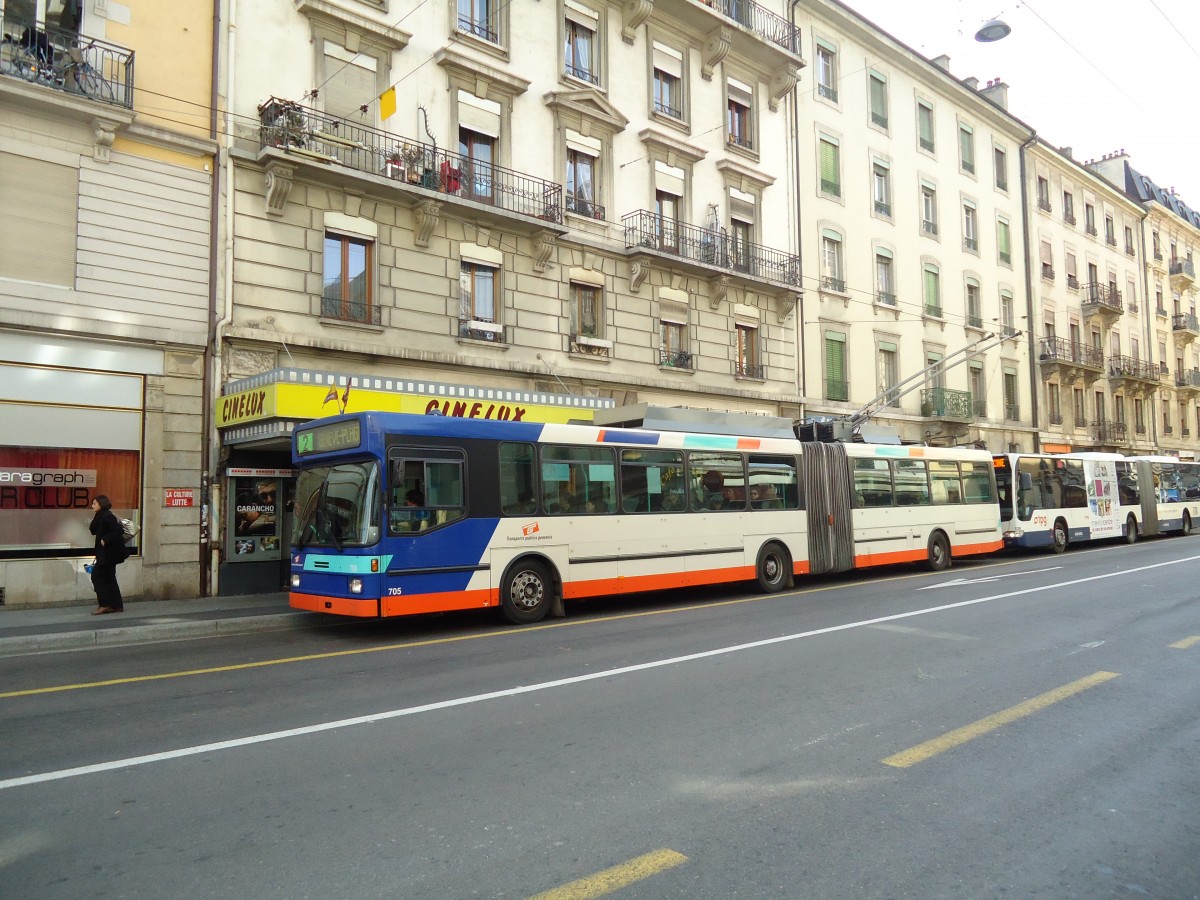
x=361 y=312
x=975 y=321
x=928 y=227
x=483 y=329
x=829 y=283
x=1133 y=371
x=828 y=91
x=582 y=73
x=1012 y=412
x=668 y=110
x=885 y=298
x=1043 y=204
x=712 y=252
x=759 y=21
x=343 y=146
x=1070 y=359
x=1185 y=327
x=1109 y=433
x=947 y=405
x=483 y=28
x=1090 y=228
x=67 y=61
x=1055 y=419
x=1187 y=382
x=675 y=359
x=582 y=207
x=1069 y=218
x=1073 y=282
x=933 y=311
x=1182 y=272
x=837 y=389
x=1047 y=272
x=1129 y=249
x=590 y=345
x=971 y=245
x=884 y=209
x=1103 y=301
x=749 y=369
x=1111 y=240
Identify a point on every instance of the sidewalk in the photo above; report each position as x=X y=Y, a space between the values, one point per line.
x=74 y=627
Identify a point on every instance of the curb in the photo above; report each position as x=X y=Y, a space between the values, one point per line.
x=166 y=631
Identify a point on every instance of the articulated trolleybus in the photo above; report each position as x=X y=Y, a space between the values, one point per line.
x=399 y=514
x=1052 y=500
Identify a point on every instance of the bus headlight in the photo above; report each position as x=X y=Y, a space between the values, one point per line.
x=356 y=585
x=295 y=581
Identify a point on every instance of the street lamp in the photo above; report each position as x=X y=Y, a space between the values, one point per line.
x=992 y=30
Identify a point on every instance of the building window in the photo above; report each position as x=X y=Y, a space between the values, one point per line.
x=1000 y=164
x=1158 y=254
x=581 y=187
x=1078 y=413
x=887 y=370
x=966 y=149
x=925 y=126
x=1008 y=322
x=1110 y=231
x=580 y=49
x=668 y=81
x=674 y=352
x=478 y=152
x=1089 y=219
x=1072 y=270
x=477 y=302
x=932 y=290
x=739 y=120
x=1043 y=193
x=827 y=72
x=666 y=209
x=587 y=311
x=740 y=234
x=978 y=388
x=831 y=262
x=749 y=362
x=478 y=18
x=1012 y=401
x=1129 y=248
x=1054 y=404
x=836 y=385
x=879 y=100
x=348 y=294
x=1047 y=260
x=881 y=188
x=885 y=291
x=974 y=306
x=1068 y=207
x=1003 y=241
x=970 y=229
x=928 y=210
x=1139 y=415
x=831 y=179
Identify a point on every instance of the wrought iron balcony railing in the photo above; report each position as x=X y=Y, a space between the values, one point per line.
x=885 y=298
x=974 y=321
x=1055 y=419
x=583 y=207
x=1102 y=296
x=651 y=231
x=583 y=74
x=1069 y=218
x=1111 y=240
x=1187 y=378
x=675 y=359
x=314 y=135
x=764 y=23
x=66 y=61
x=483 y=28
x=943 y=403
x=928 y=227
x=829 y=283
x=1073 y=282
x=1012 y=412
x=748 y=369
x=668 y=110
x=884 y=209
x=1185 y=322
x=1182 y=267
x=1047 y=271
x=1107 y=432
x=1061 y=350
x=970 y=244
x=1090 y=228
x=1121 y=366
x=1044 y=204
x=360 y=311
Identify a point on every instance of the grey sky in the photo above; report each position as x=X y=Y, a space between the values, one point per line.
x=1095 y=76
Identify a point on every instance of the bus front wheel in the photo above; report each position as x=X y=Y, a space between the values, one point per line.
x=1131 y=530
x=526 y=592
x=1060 y=536
x=774 y=568
x=939 y=552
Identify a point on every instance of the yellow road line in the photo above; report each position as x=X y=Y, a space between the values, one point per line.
x=1187 y=642
x=617 y=877
x=951 y=739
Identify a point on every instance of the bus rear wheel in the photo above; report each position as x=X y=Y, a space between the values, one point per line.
x=1131 y=530
x=526 y=592
x=1060 y=536
x=774 y=568
x=1187 y=523
x=939 y=552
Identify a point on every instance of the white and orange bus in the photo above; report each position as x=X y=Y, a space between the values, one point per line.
x=400 y=514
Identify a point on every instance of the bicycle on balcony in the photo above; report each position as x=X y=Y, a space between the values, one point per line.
x=81 y=77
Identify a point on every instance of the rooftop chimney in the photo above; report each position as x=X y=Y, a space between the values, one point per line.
x=997 y=92
x=942 y=62
x=972 y=82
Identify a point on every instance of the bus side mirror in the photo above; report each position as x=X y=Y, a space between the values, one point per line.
x=1026 y=481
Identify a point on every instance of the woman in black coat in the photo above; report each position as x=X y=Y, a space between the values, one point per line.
x=110 y=553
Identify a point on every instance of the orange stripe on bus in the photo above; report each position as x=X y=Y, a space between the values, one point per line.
x=748 y=443
x=340 y=606
x=444 y=601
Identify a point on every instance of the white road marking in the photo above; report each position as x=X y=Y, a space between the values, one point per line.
x=250 y=740
x=957 y=582
x=923 y=632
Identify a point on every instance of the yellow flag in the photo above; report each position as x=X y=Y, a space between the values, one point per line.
x=387 y=103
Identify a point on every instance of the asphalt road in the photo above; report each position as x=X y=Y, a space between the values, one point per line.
x=1029 y=727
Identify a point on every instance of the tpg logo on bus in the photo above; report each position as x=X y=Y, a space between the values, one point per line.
x=531 y=528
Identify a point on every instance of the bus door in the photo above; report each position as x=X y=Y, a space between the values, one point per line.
x=1141 y=487
x=826 y=473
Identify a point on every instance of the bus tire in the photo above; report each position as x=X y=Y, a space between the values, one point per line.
x=527 y=592
x=940 y=557
x=774 y=568
x=1131 y=530
x=1187 y=524
x=1061 y=536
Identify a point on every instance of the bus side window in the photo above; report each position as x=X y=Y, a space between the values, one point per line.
x=517 y=488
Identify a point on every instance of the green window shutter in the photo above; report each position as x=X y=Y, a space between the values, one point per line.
x=1002 y=237
x=931 y=288
x=829 y=168
x=925 y=120
x=878 y=98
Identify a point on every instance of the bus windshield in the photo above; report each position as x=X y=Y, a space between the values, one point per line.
x=337 y=506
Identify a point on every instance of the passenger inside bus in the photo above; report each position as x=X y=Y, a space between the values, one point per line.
x=765 y=497
x=413 y=516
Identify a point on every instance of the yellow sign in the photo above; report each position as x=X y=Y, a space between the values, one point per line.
x=312 y=401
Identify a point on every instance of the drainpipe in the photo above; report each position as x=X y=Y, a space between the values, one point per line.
x=1145 y=293
x=795 y=141
x=1034 y=376
x=207 y=389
